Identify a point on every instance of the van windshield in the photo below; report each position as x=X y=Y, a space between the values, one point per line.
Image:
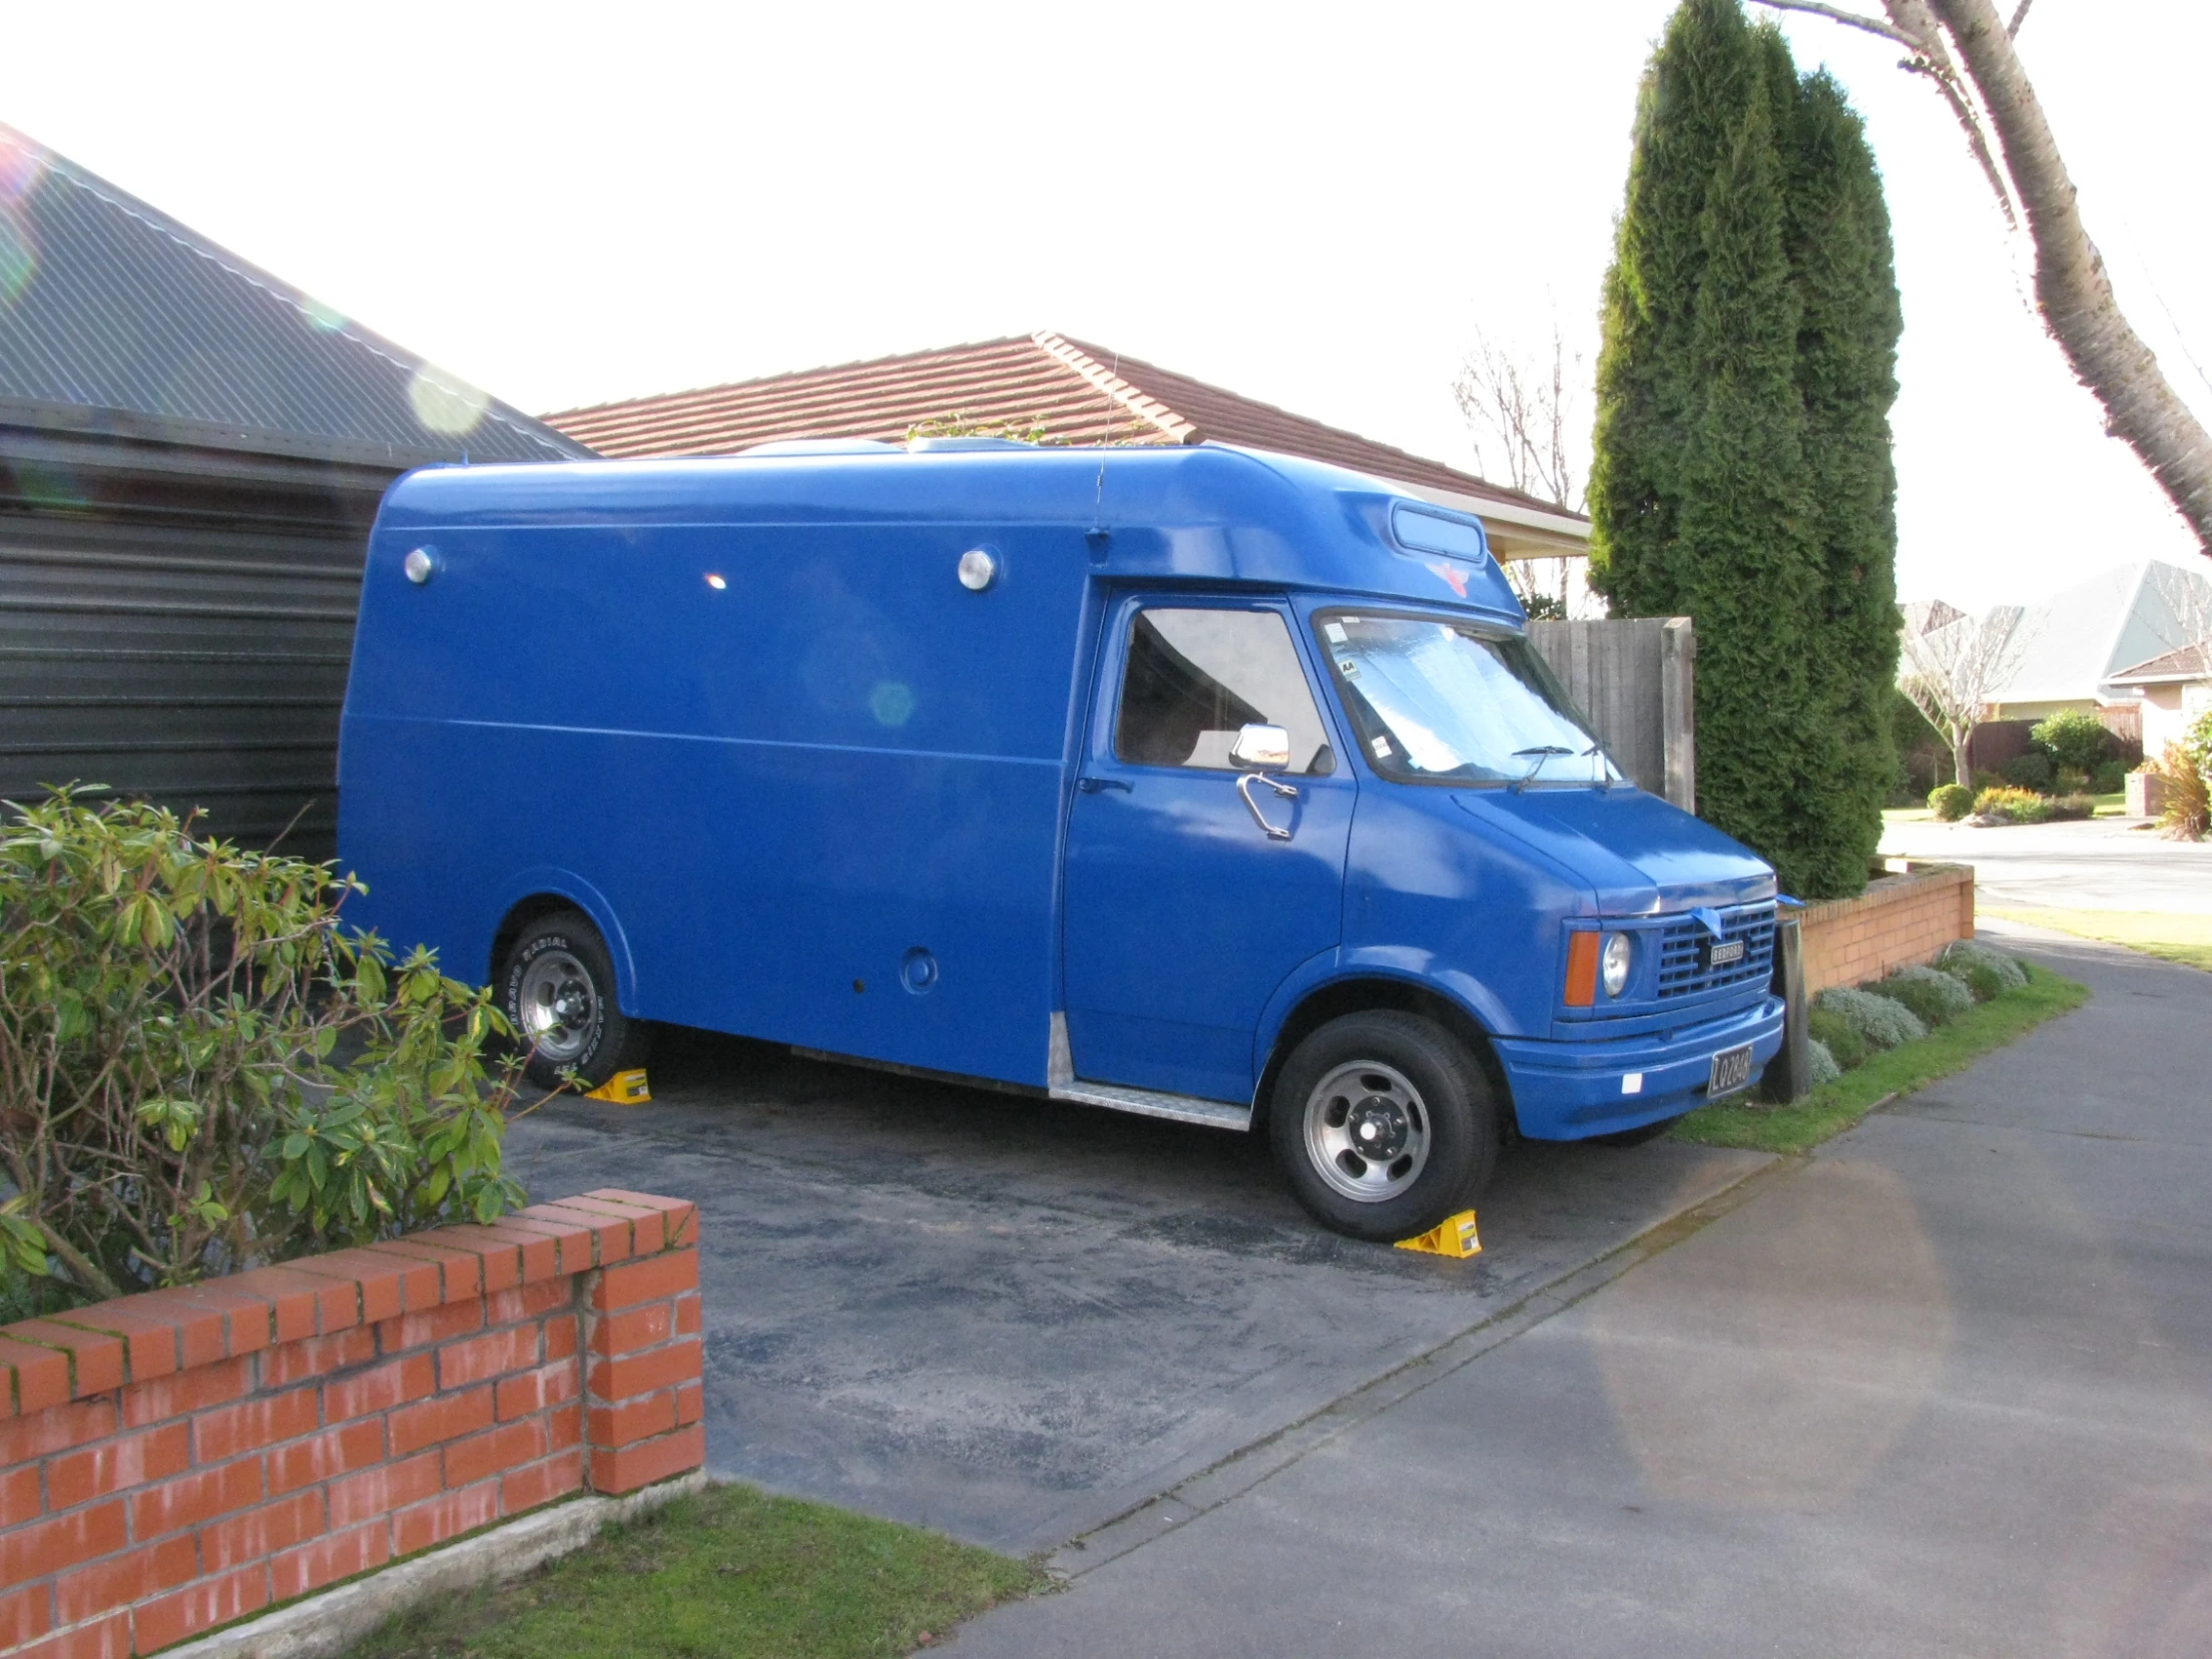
x=1439 y=702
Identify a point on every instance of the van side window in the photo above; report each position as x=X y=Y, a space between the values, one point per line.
x=1196 y=676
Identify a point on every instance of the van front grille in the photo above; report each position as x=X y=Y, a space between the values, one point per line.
x=1685 y=961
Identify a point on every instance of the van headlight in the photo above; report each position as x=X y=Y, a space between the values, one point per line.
x=1614 y=964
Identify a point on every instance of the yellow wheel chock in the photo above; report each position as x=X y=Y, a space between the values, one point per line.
x=624 y=1088
x=1453 y=1235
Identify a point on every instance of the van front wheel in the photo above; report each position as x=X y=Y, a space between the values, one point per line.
x=1384 y=1123
x=558 y=991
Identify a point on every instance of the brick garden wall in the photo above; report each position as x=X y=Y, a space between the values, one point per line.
x=174 y=1460
x=1901 y=919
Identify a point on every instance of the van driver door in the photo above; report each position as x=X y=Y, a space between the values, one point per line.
x=1197 y=881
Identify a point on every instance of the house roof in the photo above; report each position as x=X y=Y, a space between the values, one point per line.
x=2078 y=640
x=1925 y=615
x=2191 y=662
x=114 y=317
x=1066 y=390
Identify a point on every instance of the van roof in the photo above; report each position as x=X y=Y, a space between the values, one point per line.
x=1204 y=513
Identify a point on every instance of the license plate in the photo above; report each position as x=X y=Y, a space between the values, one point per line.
x=1731 y=1071
x=1725 y=951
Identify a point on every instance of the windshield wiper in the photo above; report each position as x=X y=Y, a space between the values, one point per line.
x=1543 y=753
x=1598 y=749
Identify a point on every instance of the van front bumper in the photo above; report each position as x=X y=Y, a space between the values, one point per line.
x=1570 y=1091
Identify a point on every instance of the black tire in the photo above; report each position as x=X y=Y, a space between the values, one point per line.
x=560 y=958
x=1418 y=1077
x=1640 y=1136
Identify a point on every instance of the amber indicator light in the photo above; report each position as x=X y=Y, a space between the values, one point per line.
x=1581 y=969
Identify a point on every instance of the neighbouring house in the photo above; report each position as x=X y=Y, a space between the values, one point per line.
x=1061 y=390
x=2079 y=650
x=191 y=453
x=2077 y=642
x=2177 y=692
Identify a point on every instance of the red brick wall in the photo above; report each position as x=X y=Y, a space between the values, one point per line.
x=1899 y=920
x=174 y=1460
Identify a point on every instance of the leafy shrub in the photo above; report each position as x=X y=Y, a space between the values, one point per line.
x=2066 y=781
x=1984 y=972
x=2073 y=738
x=2031 y=771
x=1950 y=801
x=1881 y=1022
x=2109 y=778
x=170 y=1105
x=2009 y=805
x=1820 y=1066
x=1983 y=780
x=2188 y=811
x=2068 y=807
x=1935 y=997
x=1843 y=1041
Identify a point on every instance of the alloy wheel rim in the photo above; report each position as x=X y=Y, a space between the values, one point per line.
x=1368 y=1131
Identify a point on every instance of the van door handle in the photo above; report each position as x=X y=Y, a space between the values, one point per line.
x=1092 y=786
x=1286 y=791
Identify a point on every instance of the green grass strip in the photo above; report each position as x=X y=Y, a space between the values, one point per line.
x=729 y=1572
x=2186 y=939
x=1834 y=1107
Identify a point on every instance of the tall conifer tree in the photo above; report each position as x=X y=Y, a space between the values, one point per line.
x=1742 y=473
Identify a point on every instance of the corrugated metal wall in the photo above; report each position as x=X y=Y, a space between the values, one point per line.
x=176 y=624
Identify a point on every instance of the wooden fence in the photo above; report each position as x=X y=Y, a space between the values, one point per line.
x=1634 y=679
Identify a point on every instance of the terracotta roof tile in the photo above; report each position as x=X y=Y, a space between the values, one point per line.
x=1074 y=391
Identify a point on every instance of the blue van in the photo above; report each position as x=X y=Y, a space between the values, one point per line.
x=1200 y=782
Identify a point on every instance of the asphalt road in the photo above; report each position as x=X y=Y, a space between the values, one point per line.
x=1013 y=1320
x=2094 y=865
x=1945 y=1387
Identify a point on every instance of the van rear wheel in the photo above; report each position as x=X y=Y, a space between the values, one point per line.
x=558 y=991
x=1384 y=1124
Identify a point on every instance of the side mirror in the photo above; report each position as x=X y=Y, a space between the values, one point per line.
x=1261 y=749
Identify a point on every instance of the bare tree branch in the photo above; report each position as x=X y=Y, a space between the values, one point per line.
x=2073 y=288
x=1933 y=60
x=1988 y=89
x=1524 y=411
x=1912 y=28
x=1954 y=671
x=1873 y=25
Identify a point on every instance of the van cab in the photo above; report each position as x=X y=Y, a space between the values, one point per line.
x=1200 y=782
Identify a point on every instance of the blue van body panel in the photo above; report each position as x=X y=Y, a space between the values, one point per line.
x=742 y=713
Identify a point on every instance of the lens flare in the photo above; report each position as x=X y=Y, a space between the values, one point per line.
x=445 y=406
x=891 y=703
x=22 y=166
x=324 y=320
x=18 y=256
x=716 y=582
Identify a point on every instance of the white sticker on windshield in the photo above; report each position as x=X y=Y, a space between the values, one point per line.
x=1382 y=748
x=1335 y=629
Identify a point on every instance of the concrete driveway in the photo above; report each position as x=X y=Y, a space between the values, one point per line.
x=1945 y=1387
x=2094 y=865
x=1013 y=1320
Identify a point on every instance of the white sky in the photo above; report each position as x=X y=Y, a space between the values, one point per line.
x=1312 y=206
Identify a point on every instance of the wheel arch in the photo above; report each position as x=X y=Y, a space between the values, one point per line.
x=542 y=894
x=1359 y=993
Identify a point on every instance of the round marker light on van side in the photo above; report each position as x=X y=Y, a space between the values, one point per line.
x=1614 y=964
x=421 y=564
x=978 y=569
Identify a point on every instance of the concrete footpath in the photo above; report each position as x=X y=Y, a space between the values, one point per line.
x=1945 y=1387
